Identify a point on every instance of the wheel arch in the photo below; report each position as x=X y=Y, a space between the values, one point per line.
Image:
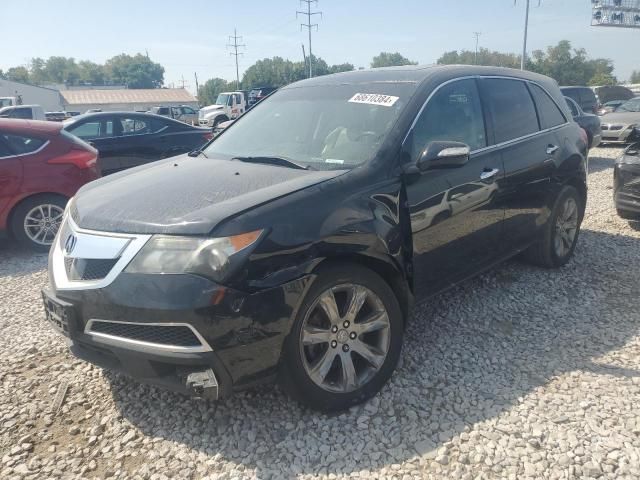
x=15 y=206
x=387 y=270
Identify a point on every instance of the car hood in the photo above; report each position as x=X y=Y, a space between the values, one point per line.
x=184 y=195
x=624 y=118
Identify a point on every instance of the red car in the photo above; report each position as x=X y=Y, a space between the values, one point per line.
x=41 y=168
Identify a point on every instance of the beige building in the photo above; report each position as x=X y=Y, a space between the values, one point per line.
x=110 y=100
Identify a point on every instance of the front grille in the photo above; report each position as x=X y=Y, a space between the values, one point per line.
x=615 y=127
x=170 y=335
x=605 y=127
x=88 y=268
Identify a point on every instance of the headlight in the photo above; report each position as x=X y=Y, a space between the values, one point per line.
x=214 y=258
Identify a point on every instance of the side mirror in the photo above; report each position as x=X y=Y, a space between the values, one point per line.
x=443 y=155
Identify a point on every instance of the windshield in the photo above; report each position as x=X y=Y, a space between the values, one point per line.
x=323 y=127
x=5 y=102
x=222 y=99
x=632 y=105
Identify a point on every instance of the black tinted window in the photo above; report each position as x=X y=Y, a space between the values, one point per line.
x=20 y=144
x=4 y=149
x=549 y=113
x=93 y=129
x=514 y=114
x=572 y=106
x=21 y=113
x=453 y=114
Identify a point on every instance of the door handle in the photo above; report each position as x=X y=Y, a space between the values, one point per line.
x=487 y=174
x=551 y=149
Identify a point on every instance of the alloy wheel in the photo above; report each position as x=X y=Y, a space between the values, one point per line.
x=345 y=338
x=566 y=228
x=42 y=223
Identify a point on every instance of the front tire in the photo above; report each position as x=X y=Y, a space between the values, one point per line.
x=560 y=234
x=36 y=220
x=346 y=339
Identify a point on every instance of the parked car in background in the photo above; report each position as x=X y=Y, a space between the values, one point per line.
x=258 y=94
x=128 y=139
x=286 y=249
x=94 y=110
x=585 y=97
x=589 y=122
x=608 y=93
x=73 y=113
x=182 y=113
x=610 y=107
x=228 y=106
x=41 y=167
x=623 y=125
x=626 y=183
x=56 y=116
x=26 y=112
x=218 y=129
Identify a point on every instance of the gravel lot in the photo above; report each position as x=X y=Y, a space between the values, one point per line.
x=521 y=373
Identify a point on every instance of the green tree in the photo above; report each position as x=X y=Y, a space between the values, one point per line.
x=2 y=74
x=135 y=71
x=485 y=57
x=18 y=74
x=61 y=70
x=342 y=67
x=635 y=77
x=571 y=66
x=208 y=92
x=387 y=59
x=274 y=72
x=37 y=73
x=91 y=73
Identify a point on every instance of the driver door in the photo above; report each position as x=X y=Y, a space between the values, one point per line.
x=457 y=234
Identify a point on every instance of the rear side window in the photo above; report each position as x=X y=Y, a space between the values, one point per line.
x=21 y=113
x=572 y=106
x=4 y=149
x=548 y=112
x=94 y=129
x=512 y=109
x=20 y=144
x=453 y=114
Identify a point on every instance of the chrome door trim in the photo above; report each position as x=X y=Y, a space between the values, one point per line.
x=501 y=77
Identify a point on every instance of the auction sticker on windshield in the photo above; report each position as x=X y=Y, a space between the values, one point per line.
x=374 y=99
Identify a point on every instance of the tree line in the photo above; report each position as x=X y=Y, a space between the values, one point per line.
x=137 y=71
x=566 y=64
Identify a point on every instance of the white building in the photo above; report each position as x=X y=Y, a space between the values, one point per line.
x=48 y=98
x=110 y=100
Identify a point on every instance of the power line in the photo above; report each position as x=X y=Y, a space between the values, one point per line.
x=235 y=45
x=309 y=14
x=477 y=35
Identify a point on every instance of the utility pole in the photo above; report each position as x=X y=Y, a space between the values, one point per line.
x=235 y=45
x=182 y=80
x=477 y=34
x=304 y=55
x=523 y=60
x=195 y=74
x=309 y=14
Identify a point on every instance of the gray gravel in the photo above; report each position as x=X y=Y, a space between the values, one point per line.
x=521 y=373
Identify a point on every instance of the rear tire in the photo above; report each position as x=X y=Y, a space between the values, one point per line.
x=627 y=215
x=322 y=365
x=35 y=221
x=560 y=235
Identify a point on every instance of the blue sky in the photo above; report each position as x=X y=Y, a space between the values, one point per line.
x=190 y=36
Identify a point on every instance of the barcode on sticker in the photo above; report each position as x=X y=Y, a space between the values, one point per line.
x=374 y=99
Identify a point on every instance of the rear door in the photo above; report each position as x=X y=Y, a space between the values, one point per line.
x=529 y=142
x=456 y=216
x=10 y=175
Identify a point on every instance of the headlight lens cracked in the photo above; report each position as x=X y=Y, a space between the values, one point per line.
x=214 y=258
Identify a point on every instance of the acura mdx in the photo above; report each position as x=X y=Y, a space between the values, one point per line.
x=294 y=245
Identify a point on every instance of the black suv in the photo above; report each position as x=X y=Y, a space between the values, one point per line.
x=295 y=243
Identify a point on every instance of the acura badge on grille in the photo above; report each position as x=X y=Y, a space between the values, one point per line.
x=70 y=244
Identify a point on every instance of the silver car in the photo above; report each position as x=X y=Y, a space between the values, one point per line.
x=623 y=125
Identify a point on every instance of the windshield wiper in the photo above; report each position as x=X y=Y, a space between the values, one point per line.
x=197 y=153
x=269 y=160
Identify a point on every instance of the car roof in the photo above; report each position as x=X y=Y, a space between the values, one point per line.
x=98 y=115
x=418 y=74
x=17 y=126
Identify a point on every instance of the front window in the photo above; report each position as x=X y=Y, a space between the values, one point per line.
x=222 y=99
x=323 y=127
x=632 y=105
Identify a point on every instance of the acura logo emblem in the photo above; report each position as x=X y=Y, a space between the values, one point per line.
x=70 y=244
